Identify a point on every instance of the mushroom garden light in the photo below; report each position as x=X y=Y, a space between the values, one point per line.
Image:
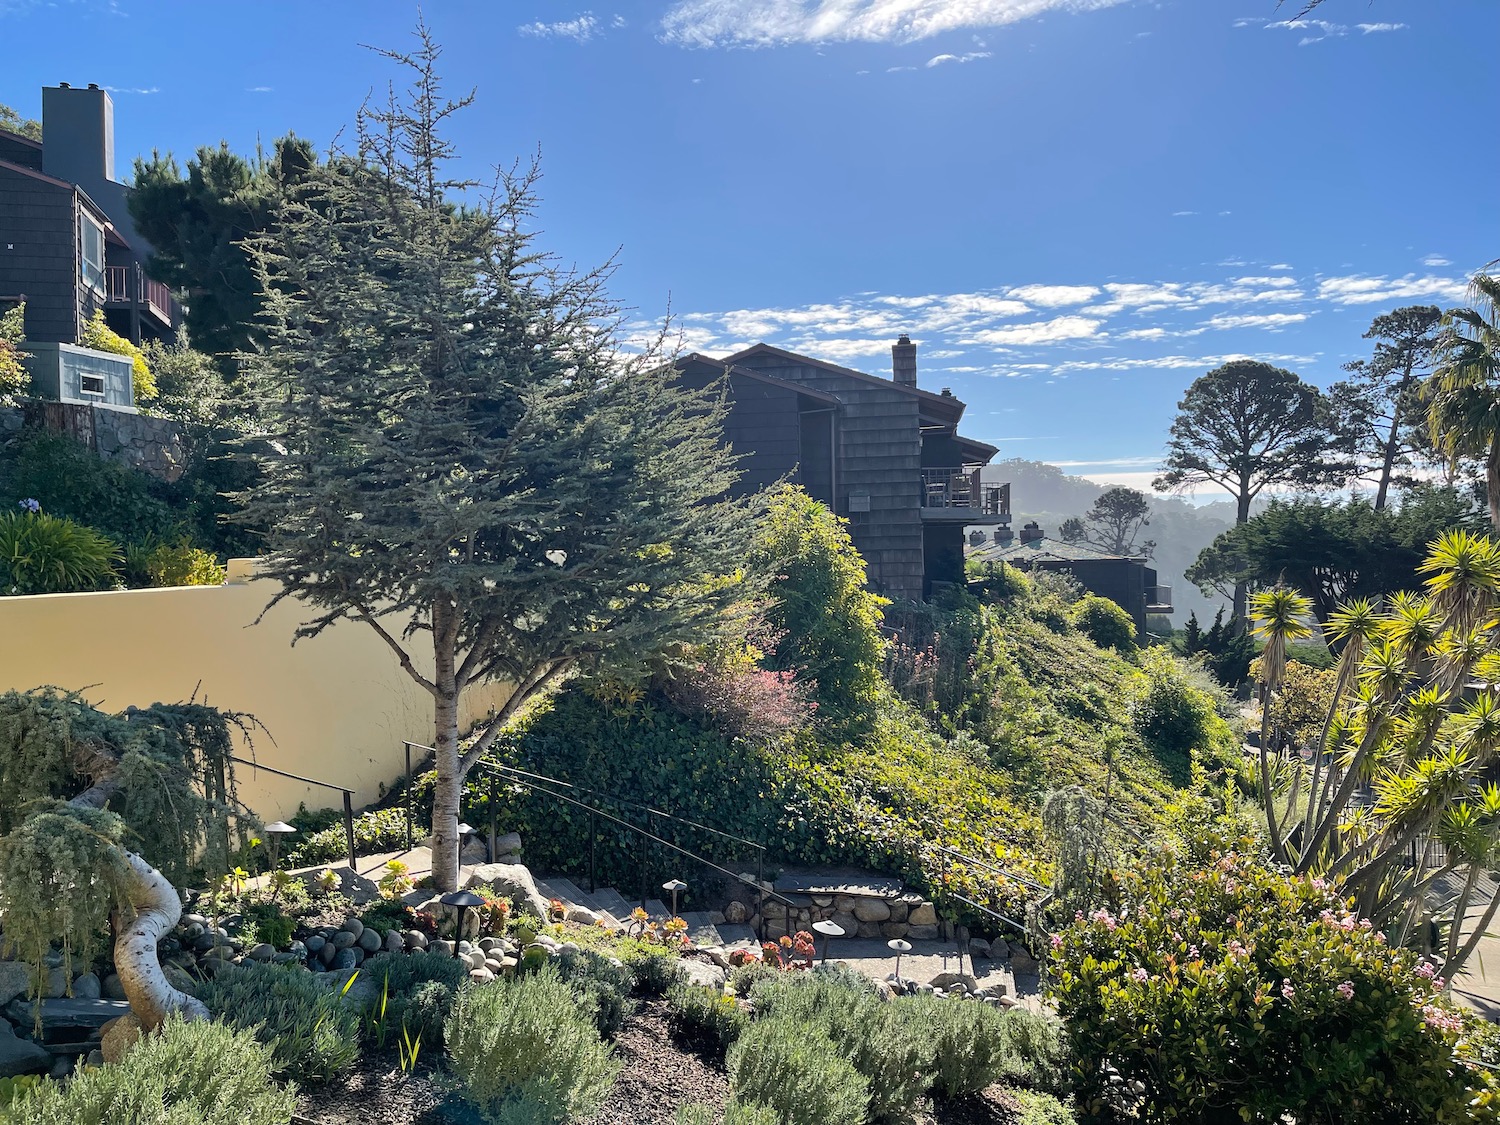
x=462 y=901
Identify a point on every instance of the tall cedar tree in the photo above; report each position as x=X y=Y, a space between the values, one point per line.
x=1381 y=405
x=1246 y=427
x=466 y=449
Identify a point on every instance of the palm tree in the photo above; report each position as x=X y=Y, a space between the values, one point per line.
x=1464 y=391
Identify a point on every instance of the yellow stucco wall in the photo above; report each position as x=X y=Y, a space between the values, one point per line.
x=337 y=706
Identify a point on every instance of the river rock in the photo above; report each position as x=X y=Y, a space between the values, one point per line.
x=394 y=942
x=354 y=926
x=922 y=933
x=923 y=915
x=371 y=941
x=15 y=979
x=440 y=948
x=872 y=910
x=508 y=845
x=344 y=939
x=415 y=939
x=113 y=987
x=118 y=1036
x=700 y=973
x=87 y=987
x=316 y=943
x=21 y=1056
x=346 y=959
x=262 y=952
x=481 y=975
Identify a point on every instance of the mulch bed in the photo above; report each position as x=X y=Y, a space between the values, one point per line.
x=657 y=1077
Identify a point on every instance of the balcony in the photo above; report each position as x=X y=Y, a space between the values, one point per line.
x=1158 y=599
x=959 y=495
x=124 y=286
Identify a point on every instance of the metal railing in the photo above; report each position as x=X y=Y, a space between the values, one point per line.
x=964 y=487
x=348 y=798
x=119 y=290
x=1158 y=596
x=554 y=788
x=947 y=857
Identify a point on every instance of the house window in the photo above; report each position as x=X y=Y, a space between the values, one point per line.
x=91 y=254
x=91 y=385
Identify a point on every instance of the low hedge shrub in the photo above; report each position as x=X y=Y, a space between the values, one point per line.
x=797 y=1072
x=311 y=1033
x=526 y=1052
x=966 y=1041
x=202 y=1072
x=705 y=1021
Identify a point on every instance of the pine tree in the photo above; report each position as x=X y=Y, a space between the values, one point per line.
x=470 y=464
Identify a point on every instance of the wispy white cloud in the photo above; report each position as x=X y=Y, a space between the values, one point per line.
x=773 y=23
x=939 y=60
x=1054 y=296
x=1363 y=290
x=580 y=28
x=1435 y=261
x=1182 y=214
x=133 y=89
x=1038 y=332
x=259 y=89
x=1372 y=28
x=1255 y=320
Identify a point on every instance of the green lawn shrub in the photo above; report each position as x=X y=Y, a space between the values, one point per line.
x=203 y=1073
x=602 y=985
x=1175 y=714
x=1236 y=992
x=654 y=971
x=884 y=1041
x=797 y=1072
x=1104 y=622
x=45 y=554
x=706 y=1021
x=312 y=1035
x=526 y=1052
x=966 y=1043
x=379 y=830
x=1040 y=1109
x=744 y=978
x=1034 y=1051
x=171 y=564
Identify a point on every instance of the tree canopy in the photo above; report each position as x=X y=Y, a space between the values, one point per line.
x=14 y=122
x=1114 y=523
x=1464 y=391
x=1333 y=552
x=460 y=455
x=197 y=222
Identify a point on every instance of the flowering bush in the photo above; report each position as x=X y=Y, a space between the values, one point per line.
x=744 y=701
x=1237 y=992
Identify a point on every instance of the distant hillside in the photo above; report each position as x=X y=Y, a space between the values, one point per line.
x=1046 y=494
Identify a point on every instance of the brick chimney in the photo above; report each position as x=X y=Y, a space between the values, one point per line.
x=904 y=362
x=1032 y=533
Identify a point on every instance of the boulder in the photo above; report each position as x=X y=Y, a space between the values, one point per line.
x=514 y=880
x=900 y=910
x=15 y=979
x=922 y=933
x=846 y=922
x=481 y=975
x=892 y=929
x=21 y=1056
x=1022 y=962
x=86 y=986
x=57 y=984
x=978 y=947
x=394 y=942
x=113 y=987
x=262 y=952
x=440 y=948
x=736 y=913
x=701 y=973
x=316 y=943
x=118 y=1036
x=868 y=930
x=473 y=852
x=948 y=981
x=345 y=939
x=476 y=958
x=923 y=915
x=371 y=941
x=347 y=958
x=872 y=910
x=415 y=939
x=507 y=845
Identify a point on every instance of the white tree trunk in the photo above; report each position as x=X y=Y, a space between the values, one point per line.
x=157 y=909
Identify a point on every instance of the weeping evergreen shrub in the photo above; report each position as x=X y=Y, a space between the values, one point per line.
x=526 y=1053
x=203 y=1073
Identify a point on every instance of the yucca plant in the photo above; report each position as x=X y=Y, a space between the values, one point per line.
x=1415 y=721
x=43 y=554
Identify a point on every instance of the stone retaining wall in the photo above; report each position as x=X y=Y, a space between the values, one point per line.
x=903 y=915
x=152 y=445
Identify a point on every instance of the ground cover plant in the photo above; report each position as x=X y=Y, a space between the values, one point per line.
x=311 y=1033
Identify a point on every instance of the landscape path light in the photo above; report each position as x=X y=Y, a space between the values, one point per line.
x=275 y=831
x=830 y=930
x=673 y=887
x=463 y=901
x=899 y=946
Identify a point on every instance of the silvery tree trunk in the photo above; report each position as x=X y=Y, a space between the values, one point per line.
x=157 y=909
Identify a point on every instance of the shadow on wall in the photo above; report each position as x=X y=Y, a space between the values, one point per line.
x=336 y=708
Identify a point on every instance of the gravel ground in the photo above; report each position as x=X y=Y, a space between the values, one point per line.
x=658 y=1077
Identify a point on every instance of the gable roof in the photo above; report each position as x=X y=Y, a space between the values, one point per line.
x=22 y=138
x=1048 y=550
x=53 y=181
x=945 y=404
x=759 y=376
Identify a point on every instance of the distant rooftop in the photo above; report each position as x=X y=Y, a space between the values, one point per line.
x=1043 y=548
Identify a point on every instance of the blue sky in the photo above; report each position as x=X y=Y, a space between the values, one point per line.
x=1075 y=206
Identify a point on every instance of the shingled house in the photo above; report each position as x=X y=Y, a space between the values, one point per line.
x=68 y=248
x=883 y=453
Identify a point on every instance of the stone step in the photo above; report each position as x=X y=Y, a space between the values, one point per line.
x=570 y=893
x=701 y=930
x=614 y=902
x=657 y=909
x=65 y=1019
x=732 y=935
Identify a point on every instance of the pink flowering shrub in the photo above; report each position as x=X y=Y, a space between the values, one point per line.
x=744 y=701
x=1237 y=992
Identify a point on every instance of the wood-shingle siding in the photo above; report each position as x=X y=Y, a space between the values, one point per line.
x=38 y=255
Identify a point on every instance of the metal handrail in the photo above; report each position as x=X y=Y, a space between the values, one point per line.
x=348 y=799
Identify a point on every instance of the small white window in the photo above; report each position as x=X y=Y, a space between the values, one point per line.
x=91 y=385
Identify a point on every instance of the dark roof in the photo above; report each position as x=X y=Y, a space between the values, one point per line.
x=1047 y=550
x=22 y=137
x=53 y=181
x=947 y=403
x=983 y=449
x=758 y=376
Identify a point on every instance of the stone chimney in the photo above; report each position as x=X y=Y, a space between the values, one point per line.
x=904 y=362
x=1032 y=533
x=78 y=130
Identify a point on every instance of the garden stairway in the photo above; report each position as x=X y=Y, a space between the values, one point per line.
x=615 y=909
